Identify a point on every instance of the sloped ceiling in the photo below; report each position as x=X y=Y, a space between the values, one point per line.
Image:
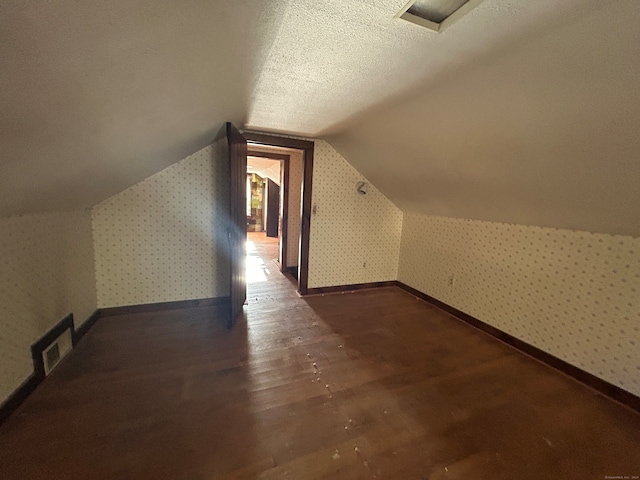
x=544 y=130
x=524 y=111
x=96 y=96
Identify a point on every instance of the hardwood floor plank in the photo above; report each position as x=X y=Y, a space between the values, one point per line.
x=412 y=394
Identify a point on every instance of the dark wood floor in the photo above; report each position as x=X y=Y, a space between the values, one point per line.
x=374 y=384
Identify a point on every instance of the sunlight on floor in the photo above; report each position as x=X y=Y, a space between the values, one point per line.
x=257 y=271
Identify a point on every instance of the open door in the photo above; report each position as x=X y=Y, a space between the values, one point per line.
x=237 y=230
x=273 y=208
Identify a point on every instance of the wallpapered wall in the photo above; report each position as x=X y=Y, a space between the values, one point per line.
x=163 y=239
x=573 y=294
x=295 y=206
x=354 y=238
x=46 y=272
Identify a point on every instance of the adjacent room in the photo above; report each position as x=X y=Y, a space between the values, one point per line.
x=273 y=239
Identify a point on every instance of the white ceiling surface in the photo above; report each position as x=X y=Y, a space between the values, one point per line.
x=508 y=115
x=96 y=96
x=265 y=168
x=543 y=131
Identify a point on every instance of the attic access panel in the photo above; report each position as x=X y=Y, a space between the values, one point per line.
x=436 y=15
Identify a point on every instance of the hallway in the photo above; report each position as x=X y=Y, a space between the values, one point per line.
x=266 y=285
x=262 y=256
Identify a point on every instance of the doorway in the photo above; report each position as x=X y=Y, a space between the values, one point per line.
x=295 y=210
x=268 y=201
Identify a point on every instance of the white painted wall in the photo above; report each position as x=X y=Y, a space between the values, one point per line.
x=46 y=272
x=573 y=294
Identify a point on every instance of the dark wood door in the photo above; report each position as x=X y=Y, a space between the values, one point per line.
x=273 y=208
x=237 y=230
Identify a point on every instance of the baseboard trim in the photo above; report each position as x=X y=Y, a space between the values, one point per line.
x=349 y=288
x=160 y=306
x=601 y=386
x=19 y=395
x=85 y=327
x=27 y=387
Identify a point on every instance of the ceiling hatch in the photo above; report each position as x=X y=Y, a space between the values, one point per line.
x=436 y=15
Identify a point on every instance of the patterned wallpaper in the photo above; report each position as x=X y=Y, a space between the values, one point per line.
x=573 y=294
x=354 y=238
x=295 y=206
x=163 y=239
x=46 y=272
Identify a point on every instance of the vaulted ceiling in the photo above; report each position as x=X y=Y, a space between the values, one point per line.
x=523 y=111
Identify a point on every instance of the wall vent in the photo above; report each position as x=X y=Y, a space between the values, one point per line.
x=51 y=357
x=49 y=350
x=436 y=15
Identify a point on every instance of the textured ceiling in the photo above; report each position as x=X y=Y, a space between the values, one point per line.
x=542 y=131
x=523 y=111
x=96 y=96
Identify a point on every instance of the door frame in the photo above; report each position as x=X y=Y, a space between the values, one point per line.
x=307 y=148
x=284 y=159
